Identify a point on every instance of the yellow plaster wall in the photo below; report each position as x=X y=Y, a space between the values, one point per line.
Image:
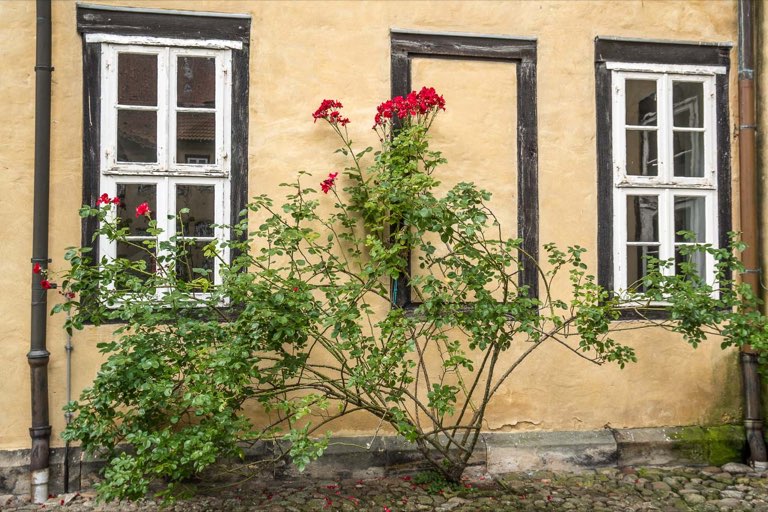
x=302 y=52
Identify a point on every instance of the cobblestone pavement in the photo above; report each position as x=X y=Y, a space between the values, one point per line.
x=731 y=487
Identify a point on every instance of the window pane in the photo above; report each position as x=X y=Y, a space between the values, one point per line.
x=132 y=195
x=637 y=264
x=690 y=215
x=196 y=82
x=641 y=102
x=136 y=136
x=195 y=137
x=688 y=98
x=199 y=200
x=136 y=251
x=696 y=259
x=189 y=258
x=642 y=219
x=137 y=79
x=689 y=154
x=642 y=153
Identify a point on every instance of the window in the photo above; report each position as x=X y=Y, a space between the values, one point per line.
x=663 y=155
x=165 y=127
x=165 y=122
x=407 y=46
x=664 y=160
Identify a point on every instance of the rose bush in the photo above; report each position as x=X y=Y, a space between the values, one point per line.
x=304 y=320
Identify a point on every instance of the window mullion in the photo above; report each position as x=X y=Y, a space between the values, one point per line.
x=620 y=240
x=666 y=227
x=163 y=108
x=664 y=137
x=619 y=131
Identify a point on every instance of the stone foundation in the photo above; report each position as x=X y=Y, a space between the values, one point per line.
x=367 y=457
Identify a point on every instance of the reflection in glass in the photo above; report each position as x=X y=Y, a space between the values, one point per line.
x=689 y=154
x=641 y=102
x=690 y=215
x=642 y=153
x=132 y=195
x=136 y=136
x=637 y=264
x=136 y=251
x=642 y=219
x=195 y=137
x=191 y=263
x=688 y=99
x=136 y=79
x=196 y=82
x=696 y=259
x=199 y=200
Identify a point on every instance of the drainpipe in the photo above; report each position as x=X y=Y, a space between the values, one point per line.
x=753 y=419
x=38 y=355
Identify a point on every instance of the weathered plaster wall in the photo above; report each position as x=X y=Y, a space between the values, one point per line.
x=305 y=51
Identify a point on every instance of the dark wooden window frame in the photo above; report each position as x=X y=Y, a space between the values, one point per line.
x=408 y=45
x=189 y=25
x=609 y=49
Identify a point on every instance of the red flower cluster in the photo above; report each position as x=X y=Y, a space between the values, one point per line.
x=36 y=268
x=326 y=111
x=104 y=199
x=46 y=284
x=415 y=103
x=328 y=183
x=142 y=209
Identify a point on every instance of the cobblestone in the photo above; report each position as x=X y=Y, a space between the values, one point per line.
x=608 y=489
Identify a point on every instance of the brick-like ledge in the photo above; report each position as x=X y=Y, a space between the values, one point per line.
x=495 y=453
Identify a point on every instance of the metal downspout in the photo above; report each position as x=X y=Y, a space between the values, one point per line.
x=753 y=419
x=38 y=355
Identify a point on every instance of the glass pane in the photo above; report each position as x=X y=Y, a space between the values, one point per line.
x=695 y=258
x=199 y=200
x=642 y=219
x=690 y=215
x=132 y=195
x=689 y=154
x=642 y=153
x=136 y=251
x=189 y=258
x=195 y=137
x=136 y=136
x=640 y=102
x=196 y=82
x=637 y=264
x=136 y=79
x=688 y=98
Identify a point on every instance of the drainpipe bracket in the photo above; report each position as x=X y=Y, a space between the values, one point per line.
x=44 y=68
x=38 y=354
x=40 y=432
x=746 y=74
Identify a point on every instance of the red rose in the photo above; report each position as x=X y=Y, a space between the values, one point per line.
x=327 y=184
x=326 y=111
x=142 y=209
x=115 y=200
x=104 y=199
x=46 y=284
x=37 y=268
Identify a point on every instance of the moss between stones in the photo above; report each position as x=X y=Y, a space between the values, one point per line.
x=709 y=445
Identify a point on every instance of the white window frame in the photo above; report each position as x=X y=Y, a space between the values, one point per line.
x=166 y=173
x=665 y=186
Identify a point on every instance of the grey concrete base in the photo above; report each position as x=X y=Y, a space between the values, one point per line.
x=713 y=446
x=15 y=475
x=556 y=451
x=495 y=453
